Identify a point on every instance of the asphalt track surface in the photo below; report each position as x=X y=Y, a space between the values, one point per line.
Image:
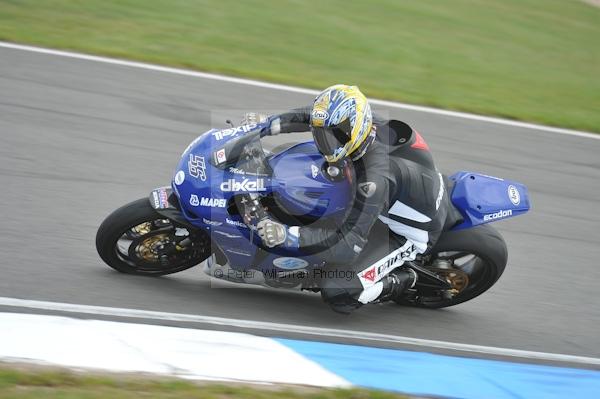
x=79 y=139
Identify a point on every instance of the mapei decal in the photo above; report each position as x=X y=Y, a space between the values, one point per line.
x=213 y=202
x=209 y=202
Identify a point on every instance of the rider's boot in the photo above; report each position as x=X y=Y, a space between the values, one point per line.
x=396 y=283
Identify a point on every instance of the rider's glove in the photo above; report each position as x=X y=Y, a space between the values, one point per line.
x=274 y=124
x=273 y=233
x=253 y=118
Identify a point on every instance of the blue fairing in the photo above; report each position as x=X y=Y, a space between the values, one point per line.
x=301 y=187
x=204 y=204
x=210 y=173
x=484 y=199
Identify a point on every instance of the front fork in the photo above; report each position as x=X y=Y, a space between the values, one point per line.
x=166 y=204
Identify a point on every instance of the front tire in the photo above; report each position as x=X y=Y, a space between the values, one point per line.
x=135 y=239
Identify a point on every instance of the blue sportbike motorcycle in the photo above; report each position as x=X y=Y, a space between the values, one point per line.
x=225 y=182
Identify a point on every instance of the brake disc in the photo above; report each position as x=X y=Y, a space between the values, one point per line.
x=148 y=249
x=457 y=279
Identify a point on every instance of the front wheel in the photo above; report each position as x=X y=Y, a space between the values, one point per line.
x=135 y=239
x=470 y=260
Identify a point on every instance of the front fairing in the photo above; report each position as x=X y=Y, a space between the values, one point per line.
x=213 y=169
x=223 y=164
x=205 y=182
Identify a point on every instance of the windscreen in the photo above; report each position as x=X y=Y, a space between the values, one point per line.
x=245 y=153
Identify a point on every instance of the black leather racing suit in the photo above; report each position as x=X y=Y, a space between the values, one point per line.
x=400 y=197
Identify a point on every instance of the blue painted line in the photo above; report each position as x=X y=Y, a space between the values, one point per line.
x=447 y=376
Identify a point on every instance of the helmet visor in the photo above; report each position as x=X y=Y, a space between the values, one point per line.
x=329 y=139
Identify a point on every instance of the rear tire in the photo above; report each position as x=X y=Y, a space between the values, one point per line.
x=485 y=254
x=135 y=239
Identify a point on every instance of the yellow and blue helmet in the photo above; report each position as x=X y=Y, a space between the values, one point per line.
x=342 y=123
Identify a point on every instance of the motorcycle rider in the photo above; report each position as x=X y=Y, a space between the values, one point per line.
x=399 y=190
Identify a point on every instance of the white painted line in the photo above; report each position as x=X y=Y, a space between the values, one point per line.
x=294 y=89
x=292 y=328
x=183 y=352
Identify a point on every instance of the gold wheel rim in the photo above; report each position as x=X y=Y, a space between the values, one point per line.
x=457 y=279
x=148 y=248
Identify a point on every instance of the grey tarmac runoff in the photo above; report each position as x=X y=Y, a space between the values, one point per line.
x=80 y=138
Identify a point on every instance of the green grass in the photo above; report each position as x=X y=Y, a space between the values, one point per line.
x=36 y=382
x=534 y=60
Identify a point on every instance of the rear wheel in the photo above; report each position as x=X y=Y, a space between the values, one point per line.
x=470 y=260
x=135 y=239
